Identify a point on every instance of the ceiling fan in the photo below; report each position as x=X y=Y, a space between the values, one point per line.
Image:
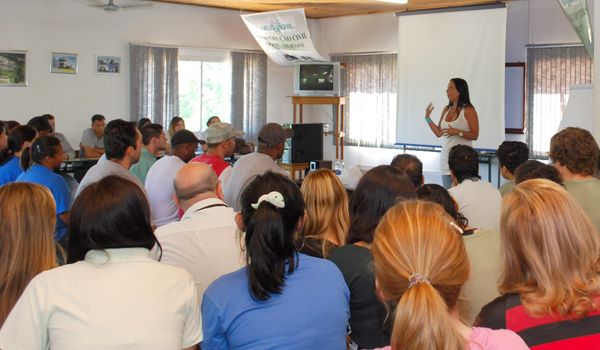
x=111 y=6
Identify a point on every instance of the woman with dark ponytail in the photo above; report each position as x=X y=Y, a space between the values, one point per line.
x=281 y=299
x=3 y=136
x=420 y=266
x=39 y=162
x=19 y=139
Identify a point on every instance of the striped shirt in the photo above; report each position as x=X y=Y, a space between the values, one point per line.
x=549 y=332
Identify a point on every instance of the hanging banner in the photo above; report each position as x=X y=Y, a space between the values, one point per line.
x=283 y=36
x=577 y=12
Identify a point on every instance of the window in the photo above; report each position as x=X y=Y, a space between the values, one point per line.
x=552 y=70
x=204 y=91
x=370 y=83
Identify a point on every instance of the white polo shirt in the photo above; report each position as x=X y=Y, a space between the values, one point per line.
x=114 y=299
x=479 y=201
x=205 y=242
x=161 y=190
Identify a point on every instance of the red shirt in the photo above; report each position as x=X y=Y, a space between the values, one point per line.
x=215 y=162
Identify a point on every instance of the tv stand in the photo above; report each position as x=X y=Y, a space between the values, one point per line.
x=339 y=102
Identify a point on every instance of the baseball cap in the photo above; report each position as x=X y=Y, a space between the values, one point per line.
x=183 y=136
x=272 y=134
x=220 y=132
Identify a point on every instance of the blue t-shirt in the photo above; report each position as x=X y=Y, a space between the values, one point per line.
x=311 y=312
x=56 y=184
x=10 y=171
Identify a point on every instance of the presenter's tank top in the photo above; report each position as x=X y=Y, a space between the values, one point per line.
x=450 y=141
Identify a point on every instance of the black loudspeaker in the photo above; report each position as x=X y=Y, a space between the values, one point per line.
x=305 y=145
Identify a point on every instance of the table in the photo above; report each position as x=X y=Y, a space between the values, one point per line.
x=293 y=168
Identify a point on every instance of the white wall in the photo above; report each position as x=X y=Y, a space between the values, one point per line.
x=41 y=27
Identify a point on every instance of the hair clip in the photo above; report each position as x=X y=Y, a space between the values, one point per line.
x=275 y=198
x=456 y=227
x=417 y=278
x=37 y=148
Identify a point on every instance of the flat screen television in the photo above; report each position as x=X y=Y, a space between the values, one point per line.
x=317 y=79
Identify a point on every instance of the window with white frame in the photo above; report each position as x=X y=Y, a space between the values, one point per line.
x=370 y=83
x=551 y=72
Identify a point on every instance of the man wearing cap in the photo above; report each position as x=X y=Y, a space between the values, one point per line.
x=159 y=180
x=220 y=138
x=271 y=139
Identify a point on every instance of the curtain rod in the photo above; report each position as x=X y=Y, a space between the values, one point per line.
x=363 y=53
x=452 y=9
x=195 y=47
x=554 y=45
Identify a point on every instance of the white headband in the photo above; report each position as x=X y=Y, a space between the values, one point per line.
x=274 y=198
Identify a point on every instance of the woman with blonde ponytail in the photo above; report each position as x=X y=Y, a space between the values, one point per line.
x=420 y=265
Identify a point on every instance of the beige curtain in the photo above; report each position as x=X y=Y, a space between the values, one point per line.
x=551 y=71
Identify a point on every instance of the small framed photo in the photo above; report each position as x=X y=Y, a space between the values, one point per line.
x=65 y=63
x=13 y=68
x=108 y=64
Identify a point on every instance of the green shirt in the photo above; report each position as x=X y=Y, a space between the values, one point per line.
x=140 y=169
x=587 y=194
x=507 y=187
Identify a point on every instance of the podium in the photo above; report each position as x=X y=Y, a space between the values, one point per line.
x=339 y=102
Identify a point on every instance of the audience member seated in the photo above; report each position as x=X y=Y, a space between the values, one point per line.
x=420 y=266
x=243 y=148
x=143 y=122
x=154 y=140
x=549 y=285
x=220 y=139
x=510 y=155
x=12 y=124
x=574 y=152
x=26 y=244
x=412 y=166
x=39 y=162
x=205 y=241
x=378 y=190
x=112 y=295
x=123 y=145
x=92 y=140
x=327 y=218
x=282 y=299
x=483 y=249
x=177 y=124
x=478 y=200
x=3 y=136
x=534 y=169
x=67 y=148
x=271 y=139
x=212 y=120
x=20 y=138
x=41 y=125
x=159 y=180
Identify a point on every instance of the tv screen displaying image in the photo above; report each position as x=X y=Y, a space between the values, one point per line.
x=317 y=77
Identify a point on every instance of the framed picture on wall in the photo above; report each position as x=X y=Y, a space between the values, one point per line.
x=65 y=63
x=13 y=68
x=108 y=64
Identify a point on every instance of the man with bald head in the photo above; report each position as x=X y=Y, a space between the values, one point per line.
x=205 y=241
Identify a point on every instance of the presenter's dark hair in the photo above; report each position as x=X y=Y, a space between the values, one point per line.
x=438 y=194
x=42 y=147
x=270 y=231
x=110 y=213
x=411 y=165
x=16 y=138
x=378 y=190
x=41 y=124
x=118 y=136
x=464 y=163
x=511 y=154
x=463 y=90
x=150 y=131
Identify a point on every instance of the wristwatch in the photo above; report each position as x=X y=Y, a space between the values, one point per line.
x=460 y=133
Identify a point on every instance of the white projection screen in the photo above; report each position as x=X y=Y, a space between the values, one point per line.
x=435 y=47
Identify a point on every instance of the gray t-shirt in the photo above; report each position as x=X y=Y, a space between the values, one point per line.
x=89 y=139
x=243 y=172
x=105 y=168
x=66 y=145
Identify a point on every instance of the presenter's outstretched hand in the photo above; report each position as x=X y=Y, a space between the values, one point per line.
x=429 y=109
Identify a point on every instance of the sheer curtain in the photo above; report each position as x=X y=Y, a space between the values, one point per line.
x=248 y=92
x=370 y=83
x=154 y=91
x=552 y=70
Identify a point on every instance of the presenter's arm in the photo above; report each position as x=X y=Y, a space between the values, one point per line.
x=434 y=127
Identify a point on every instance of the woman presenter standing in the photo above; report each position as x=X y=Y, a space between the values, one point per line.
x=458 y=123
